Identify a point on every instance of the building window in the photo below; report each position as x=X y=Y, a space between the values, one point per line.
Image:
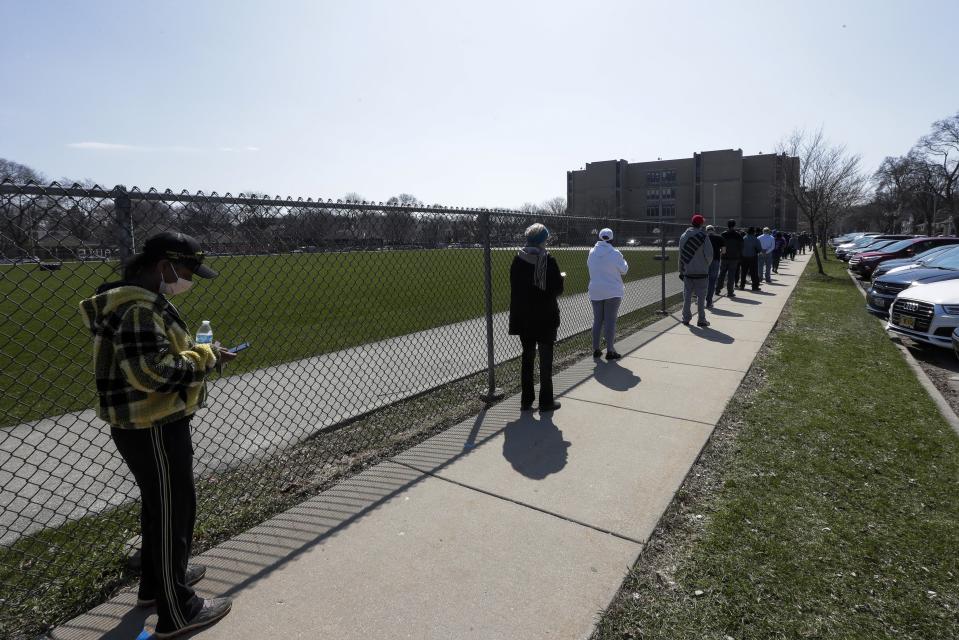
x=656 y=177
x=652 y=194
x=668 y=193
x=652 y=212
x=669 y=211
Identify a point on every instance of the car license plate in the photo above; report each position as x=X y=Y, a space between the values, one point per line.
x=907 y=322
x=881 y=302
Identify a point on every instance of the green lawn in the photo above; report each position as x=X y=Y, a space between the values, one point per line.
x=288 y=306
x=825 y=506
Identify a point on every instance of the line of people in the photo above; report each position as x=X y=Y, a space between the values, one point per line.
x=535 y=284
x=708 y=261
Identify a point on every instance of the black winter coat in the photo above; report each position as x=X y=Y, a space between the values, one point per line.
x=534 y=312
x=734 y=245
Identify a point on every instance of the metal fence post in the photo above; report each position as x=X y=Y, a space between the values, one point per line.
x=122 y=211
x=492 y=393
x=663 y=257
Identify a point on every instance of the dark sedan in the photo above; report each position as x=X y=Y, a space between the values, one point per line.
x=866 y=262
x=885 y=288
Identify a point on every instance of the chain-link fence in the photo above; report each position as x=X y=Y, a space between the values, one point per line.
x=350 y=308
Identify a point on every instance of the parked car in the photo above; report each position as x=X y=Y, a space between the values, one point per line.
x=849 y=237
x=858 y=239
x=872 y=246
x=928 y=313
x=845 y=251
x=864 y=263
x=955 y=342
x=885 y=288
x=888 y=266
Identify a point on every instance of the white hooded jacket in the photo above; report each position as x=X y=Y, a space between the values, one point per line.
x=606 y=269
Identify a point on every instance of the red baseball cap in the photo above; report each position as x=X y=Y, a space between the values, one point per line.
x=698 y=220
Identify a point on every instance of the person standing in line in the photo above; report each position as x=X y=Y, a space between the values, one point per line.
x=695 y=256
x=778 y=250
x=717 y=241
x=535 y=283
x=768 y=244
x=792 y=246
x=606 y=270
x=750 y=263
x=743 y=265
x=732 y=254
x=151 y=380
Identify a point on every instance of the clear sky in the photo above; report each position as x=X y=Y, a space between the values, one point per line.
x=462 y=103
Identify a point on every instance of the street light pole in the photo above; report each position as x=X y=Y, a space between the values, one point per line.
x=714 y=204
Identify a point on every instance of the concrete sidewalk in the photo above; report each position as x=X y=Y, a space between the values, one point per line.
x=508 y=525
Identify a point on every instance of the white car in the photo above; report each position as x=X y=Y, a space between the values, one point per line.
x=928 y=313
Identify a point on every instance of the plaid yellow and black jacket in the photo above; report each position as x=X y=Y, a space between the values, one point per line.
x=148 y=369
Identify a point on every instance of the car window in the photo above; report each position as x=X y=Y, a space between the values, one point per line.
x=880 y=244
x=948 y=261
x=899 y=245
x=948 y=251
x=930 y=253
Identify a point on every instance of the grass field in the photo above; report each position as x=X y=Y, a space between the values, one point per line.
x=288 y=306
x=825 y=505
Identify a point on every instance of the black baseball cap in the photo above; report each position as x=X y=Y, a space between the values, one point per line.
x=179 y=248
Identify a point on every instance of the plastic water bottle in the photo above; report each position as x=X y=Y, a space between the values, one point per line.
x=204 y=334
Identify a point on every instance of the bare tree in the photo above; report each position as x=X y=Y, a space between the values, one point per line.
x=830 y=182
x=555 y=206
x=530 y=207
x=21 y=217
x=941 y=148
x=893 y=181
x=19 y=173
x=405 y=200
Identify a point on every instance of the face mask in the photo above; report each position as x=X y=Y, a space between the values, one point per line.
x=180 y=285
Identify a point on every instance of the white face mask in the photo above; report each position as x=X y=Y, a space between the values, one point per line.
x=180 y=285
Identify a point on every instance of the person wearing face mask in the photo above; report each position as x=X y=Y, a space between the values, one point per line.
x=151 y=380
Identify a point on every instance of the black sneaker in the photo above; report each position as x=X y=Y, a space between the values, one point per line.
x=702 y=323
x=613 y=355
x=194 y=573
x=597 y=353
x=550 y=407
x=213 y=610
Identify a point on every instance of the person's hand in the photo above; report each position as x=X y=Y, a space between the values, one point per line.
x=223 y=355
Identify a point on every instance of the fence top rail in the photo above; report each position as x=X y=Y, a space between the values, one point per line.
x=55 y=190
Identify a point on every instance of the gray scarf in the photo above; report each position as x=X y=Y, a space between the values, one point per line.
x=536 y=256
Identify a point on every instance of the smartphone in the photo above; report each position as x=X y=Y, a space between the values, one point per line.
x=240 y=347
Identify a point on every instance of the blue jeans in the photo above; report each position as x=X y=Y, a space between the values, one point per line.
x=768 y=266
x=713 y=277
x=694 y=287
x=604 y=316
